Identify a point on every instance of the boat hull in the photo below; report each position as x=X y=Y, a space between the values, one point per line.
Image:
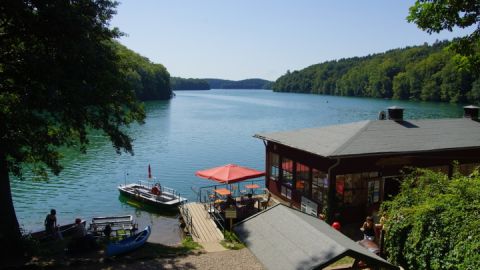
x=128 y=244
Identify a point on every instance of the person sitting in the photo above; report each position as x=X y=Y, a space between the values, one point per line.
x=368 y=229
x=156 y=190
x=230 y=201
x=81 y=240
x=108 y=230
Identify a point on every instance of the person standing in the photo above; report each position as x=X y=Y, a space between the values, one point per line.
x=368 y=229
x=51 y=223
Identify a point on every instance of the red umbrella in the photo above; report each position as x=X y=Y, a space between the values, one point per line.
x=229 y=173
x=149 y=172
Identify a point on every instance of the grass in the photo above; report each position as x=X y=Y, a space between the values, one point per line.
x=231 y=241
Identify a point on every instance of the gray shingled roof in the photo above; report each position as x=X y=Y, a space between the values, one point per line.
x=285 y=238
x=382 y=137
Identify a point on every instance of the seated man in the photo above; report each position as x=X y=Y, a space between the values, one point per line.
x=80 y=239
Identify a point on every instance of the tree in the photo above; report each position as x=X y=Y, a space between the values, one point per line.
x=59 y=77
x=433 y=223
x=438 y=15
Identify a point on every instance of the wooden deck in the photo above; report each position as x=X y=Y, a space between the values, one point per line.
x=204 y=230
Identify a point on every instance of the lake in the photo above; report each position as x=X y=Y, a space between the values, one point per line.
x=193 y=131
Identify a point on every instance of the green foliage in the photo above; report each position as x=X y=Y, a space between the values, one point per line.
x=429 y=73
x=242 y=84
x=231 y=241
x=189 y=244
x=189 y=84
x=149 y=81
x=434 y=222
x=436 y=16
x=60 y=77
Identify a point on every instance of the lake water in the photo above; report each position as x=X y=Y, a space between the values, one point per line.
x=194 y=131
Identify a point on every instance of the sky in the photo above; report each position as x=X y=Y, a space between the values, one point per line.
x=244 y=39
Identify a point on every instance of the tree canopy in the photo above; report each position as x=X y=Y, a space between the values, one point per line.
x=150 y=81
x=59 y=77
x=436 y=16
x=434 y=222
x=242 y=84
x=427 y=72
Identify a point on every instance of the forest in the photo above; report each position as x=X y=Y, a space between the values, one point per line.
x=426 y=72
x=188 y=84
x=242 y=84
x=149 y=80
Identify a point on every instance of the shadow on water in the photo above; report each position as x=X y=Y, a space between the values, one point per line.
x=148 y=208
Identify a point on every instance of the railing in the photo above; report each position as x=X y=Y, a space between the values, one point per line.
x=236 y=188
x=150 y=185
x=187 y=218
x=215 y=215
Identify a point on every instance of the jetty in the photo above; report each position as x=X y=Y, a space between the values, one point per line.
x=201 y=226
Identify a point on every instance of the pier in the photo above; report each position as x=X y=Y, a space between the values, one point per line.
x=201 y=226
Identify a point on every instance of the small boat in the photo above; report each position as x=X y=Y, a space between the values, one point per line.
x=128 y=244
x=119 y=225
x=153 y=194
x=66 y=231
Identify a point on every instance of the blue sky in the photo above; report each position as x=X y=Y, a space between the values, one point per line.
x=263 y=38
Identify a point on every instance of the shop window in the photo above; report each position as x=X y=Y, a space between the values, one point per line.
x=373 y=195
x=274 y=166
x=302 y=183
x=357 y=188
x=319 y=186
x=287 y=172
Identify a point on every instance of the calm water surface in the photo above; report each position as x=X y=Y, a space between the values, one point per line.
x=196 y=130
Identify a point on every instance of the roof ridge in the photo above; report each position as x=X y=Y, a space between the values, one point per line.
x=351 y=139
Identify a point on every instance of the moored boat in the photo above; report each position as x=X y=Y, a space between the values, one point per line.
x=153 y=194
x=128 y=244
x=65 y=230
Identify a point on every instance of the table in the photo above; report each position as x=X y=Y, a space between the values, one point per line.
x=222 y=191
x=252 y=187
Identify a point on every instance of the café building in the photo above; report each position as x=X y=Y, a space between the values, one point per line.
x=350 y=169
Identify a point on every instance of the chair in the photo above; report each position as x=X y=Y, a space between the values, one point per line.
x=264 y=202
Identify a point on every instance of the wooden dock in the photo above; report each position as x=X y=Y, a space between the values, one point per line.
x=202 y=229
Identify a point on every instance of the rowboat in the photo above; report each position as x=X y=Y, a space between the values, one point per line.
x=128 y=244
x=65 y=230
x=152 y=194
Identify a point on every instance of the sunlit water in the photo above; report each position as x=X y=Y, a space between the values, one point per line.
x=196 y=130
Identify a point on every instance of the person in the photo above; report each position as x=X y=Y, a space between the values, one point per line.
x=81 y=240
x=368 y=229
x=108 y=230
x=230 y=201
x=51 y=224
x=79 y=231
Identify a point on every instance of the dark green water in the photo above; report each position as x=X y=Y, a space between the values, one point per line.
x=194 y=131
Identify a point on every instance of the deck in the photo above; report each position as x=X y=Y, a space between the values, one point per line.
x=203 y=230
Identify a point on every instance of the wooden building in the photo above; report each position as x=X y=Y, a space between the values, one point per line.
x=351 y=168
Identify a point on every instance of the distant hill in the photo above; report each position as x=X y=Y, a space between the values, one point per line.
x=428 y=72
x=243 y=84
x=178 y=83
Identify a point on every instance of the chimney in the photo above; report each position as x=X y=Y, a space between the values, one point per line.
x=395 y=113
x=471 y=112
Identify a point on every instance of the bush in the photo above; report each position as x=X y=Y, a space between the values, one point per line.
x=434 y=222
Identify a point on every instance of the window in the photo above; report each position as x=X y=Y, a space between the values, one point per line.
x=302 y=183
x=320 y=186
x=287 y=172
x=274 y=166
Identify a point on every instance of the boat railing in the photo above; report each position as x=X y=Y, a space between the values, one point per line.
x=150 y=185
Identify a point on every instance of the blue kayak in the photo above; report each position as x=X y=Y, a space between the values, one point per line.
x=128 y=244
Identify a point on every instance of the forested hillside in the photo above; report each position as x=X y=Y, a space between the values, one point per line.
x=428 y=72
x=243 y=84
x=149 y=80
x=189 y=84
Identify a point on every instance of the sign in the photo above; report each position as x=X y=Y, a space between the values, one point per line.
x=231 y=212
x=309 y=206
